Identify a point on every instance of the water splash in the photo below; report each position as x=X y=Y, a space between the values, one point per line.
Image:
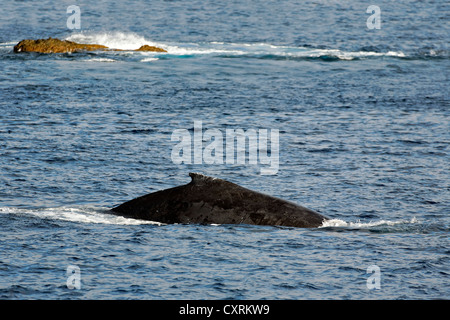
x=364 y=225
x=113 y=40
x=131 y=41
x=81 y=214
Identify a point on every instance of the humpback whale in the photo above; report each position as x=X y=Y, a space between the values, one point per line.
x=208 y=200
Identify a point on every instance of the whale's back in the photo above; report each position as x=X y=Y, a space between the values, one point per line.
x=215 y=201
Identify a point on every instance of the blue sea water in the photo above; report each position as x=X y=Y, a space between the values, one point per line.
x=364 y=133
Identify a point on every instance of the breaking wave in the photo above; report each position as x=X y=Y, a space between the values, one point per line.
x=130 y=41
x=114 y=40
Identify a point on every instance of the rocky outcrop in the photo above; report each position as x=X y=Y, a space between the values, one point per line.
x=146 y=47
x=52 y=45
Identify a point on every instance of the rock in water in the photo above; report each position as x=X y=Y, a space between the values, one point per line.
x=146 y=47
x=52 y=45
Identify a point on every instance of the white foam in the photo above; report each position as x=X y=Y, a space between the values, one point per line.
x=187 y=49
x=364 y=54
x=149 y=59
x=83 y=214
x=101 y=60
x=362 y=225
x=261 y=49
x=8 y=44
x=113 y=40
x=132 y=41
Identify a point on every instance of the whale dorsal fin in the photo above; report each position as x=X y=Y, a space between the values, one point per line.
x=200 y=179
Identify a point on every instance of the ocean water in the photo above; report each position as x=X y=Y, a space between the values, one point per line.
x=364 y=133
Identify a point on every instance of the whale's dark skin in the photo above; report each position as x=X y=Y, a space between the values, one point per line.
x=207 y=200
